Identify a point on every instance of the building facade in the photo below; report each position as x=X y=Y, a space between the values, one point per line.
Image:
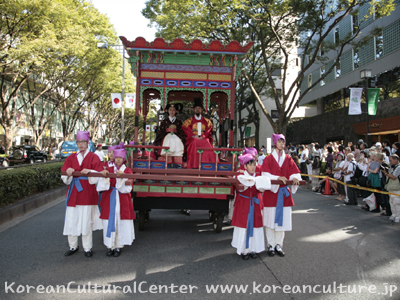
x=380 y=54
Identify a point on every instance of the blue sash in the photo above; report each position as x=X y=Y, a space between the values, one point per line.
x=282 y=193
x=100 y=194
x=75 y=182
x=111 y=216
x=250 y=218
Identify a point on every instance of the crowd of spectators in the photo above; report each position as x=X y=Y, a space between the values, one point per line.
x=376 y=167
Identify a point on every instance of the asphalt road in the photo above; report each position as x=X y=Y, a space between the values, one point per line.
x=343 y=250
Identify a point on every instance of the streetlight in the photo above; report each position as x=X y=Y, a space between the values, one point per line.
x=118 y=48
x=366 y=74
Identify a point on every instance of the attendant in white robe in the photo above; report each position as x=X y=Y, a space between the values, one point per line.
x=278 y=201
x=82 y=212
x=116 y=205
x=248 y=233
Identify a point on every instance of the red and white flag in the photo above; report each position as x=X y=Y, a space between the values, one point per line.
x=116 y=100
x=130 y=100
x=147 y=127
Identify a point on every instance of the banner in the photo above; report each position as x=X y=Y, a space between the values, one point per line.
x=130 y=100
x=147 y=127
x=355 y=101
x=373 y=96
x=116 y=100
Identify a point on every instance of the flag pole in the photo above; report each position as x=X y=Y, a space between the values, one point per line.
x=123 y=97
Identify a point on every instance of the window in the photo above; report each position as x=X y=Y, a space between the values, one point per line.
x=355 y=23
x=309 y=80
x=279 y=93
x=322 y=72
x=356 y=58
x=338 y=69
x=379 y=46
x=274 y=114
x=337 y=38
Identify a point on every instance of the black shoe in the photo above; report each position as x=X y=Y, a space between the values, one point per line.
x=348 y=203
x=178 y=166
x=117 y=252
x=246 y=256
x=186 y=212
x=71 y=251
x=376 y=210
x=89 y=253
x=271 y=251
x=110 y=252
x=253 y=255
x=279 y=251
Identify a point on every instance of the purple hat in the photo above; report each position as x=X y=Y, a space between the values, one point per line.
x=252 y=151
x=131 y=143
x=121 y=146
x=277 y=137
x=83 y=135
x=112 y=148
x=120 y=153
x=245 y=158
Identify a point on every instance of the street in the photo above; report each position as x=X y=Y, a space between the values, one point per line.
x=333 y=252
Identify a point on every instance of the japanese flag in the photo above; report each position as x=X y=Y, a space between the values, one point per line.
x=147 y=127
x=116 y=100
x=130 y=100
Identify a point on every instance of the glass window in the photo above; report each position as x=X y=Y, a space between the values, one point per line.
x=337 y=38
x=356 y=58
x=355 y=23
x=338 y=69
x=379 y=46
x=322 y=70
x=309 y=80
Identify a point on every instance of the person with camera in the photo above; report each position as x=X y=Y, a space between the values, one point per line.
x=374 y=177
x=339 y=176
x=349 y=179
x=393 y=186
x=384 y=198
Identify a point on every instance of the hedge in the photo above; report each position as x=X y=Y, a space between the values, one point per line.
x=18 y=183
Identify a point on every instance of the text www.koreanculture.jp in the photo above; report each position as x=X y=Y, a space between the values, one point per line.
x=256 y=288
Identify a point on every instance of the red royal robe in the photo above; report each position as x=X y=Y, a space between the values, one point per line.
x=190 y=129
x=242 y=206
x=126 y=205
x=89 y=195
x=288 y=168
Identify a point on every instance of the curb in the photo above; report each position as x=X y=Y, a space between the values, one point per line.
x=19 y=209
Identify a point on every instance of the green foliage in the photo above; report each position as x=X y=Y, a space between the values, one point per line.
x=18 y=183
x=278 y=28
x=48 y=51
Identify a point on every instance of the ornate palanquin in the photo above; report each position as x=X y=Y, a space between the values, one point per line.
x=182 y=71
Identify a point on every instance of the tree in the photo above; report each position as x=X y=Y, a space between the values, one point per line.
x=278 y=27
x=48 y=51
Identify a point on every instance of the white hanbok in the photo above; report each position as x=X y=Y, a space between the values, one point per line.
x=124 y=229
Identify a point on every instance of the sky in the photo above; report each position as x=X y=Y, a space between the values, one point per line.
x=126 y=17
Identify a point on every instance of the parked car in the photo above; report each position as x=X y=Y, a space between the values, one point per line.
x=4 y=160
x=69 y=147
x=26 y=154
x=3 y=157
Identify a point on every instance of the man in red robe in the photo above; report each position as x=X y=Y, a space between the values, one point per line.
x=198 y=132
x=278 y=200
x=82 y=212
